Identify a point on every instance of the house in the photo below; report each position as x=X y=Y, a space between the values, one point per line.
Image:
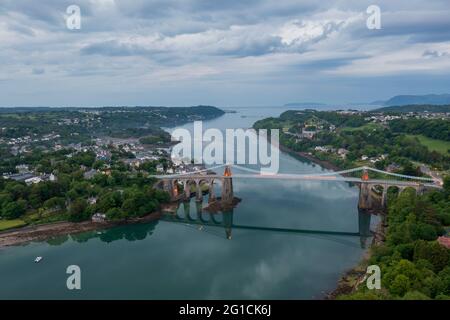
x=133 y=162
x=33 y=180
x=92 y=200
x=19 y=176
x=170 y=171
x=342 y=152
x=444 y=241
x=159 y=168
x=393 y=167
x=90 y=174
x=99 y=218
x=322 y=149
x=22 y=168
x=364 y=158
x=307 y=134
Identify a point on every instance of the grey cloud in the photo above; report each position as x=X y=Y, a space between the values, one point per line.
x=328 y=64
x=47 y=11
x=434 y=54
x=38 y=71
x=113 y=48
x=430 y=26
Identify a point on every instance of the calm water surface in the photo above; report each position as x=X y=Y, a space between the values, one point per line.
x=180 y=260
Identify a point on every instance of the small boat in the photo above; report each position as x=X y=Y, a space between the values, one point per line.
x=38 y=259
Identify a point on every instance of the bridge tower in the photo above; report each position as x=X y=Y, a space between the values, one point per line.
x=364 y=202
x=227 y=186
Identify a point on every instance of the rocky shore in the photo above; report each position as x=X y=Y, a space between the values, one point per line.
x=354 y=277
x=47 y=231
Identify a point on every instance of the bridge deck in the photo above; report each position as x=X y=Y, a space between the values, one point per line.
x=302 y=177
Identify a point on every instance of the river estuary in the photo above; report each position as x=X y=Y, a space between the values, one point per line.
x=177 y=260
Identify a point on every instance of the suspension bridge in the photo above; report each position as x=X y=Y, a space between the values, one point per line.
x=382 y=182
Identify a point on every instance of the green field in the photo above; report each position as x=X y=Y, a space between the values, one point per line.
x=440 y=146
x=8 y=224
x=368 y=126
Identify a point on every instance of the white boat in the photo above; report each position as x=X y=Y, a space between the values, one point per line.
x=38 y=259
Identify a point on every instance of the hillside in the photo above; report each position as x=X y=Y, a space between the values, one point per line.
x=415 y=108
x=401 y=100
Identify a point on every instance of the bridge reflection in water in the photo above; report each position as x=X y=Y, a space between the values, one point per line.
x=201 y=220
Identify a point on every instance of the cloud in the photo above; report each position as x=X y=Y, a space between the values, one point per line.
x=38 y=71
x=434 y=54
x=276 y=47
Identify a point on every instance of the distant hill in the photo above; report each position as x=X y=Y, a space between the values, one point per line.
x=415 y=108
x=304 y=104
x=428 y=99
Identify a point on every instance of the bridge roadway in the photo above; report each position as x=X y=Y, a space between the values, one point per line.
x=282 y=176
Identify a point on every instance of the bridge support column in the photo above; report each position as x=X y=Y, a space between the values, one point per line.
x=199 y=209
x=211 y=194
x=364 y=227
x=170 y=186
x=420 y=189
x=187 y=210
x=199 y=193
x=384 y=197
x=364 y=202
x=187 y=190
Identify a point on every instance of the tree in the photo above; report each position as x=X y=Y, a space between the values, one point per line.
x=13 y=210
x=400 y=285
x=54 y=203
x=415 y=295
x=436 y=254
x=109 y=200
x=115 y=214
x=447 y=185
x=78 y=211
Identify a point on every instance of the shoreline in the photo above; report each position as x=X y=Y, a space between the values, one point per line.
x=47 y=231
x=349 y=281
x=323 y=163
x=352 y=278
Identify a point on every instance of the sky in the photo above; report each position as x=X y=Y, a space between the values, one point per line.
x=220 y=52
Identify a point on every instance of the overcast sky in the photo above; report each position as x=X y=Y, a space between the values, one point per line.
x=220 y=52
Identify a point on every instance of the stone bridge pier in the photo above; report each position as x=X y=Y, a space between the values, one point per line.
x=367 y=201
x=196 y=182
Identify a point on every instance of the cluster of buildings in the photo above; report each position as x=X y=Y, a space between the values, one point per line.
x=340 y=151
x=30 y=177
x=385 y=118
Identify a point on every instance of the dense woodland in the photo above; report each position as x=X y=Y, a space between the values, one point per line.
x=414 y=266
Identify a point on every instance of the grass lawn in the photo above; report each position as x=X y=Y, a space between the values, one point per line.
x=440 y=146
x=367 y=126
x=8 y=224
